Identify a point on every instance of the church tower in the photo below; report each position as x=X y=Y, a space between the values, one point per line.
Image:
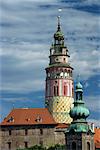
x=59 y=82
x=79 y=135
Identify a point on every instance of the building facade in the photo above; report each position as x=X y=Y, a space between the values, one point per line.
x=26 y=127
x=59 y=82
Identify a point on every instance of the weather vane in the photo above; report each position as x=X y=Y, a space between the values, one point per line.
x=58 y=17
x=59 y=10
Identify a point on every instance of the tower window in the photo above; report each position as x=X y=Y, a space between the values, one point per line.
x=73 y=146
x=64 y=59
x=56 y=91
x=9 y=145
x=65 y=90
x=79 y=96
x=26 y=144
x=88 y=146
x=55 y=82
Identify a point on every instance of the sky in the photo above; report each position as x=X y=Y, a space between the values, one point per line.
x=26 y=34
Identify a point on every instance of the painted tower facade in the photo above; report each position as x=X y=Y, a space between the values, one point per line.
x=59 y=81
x=79 y=135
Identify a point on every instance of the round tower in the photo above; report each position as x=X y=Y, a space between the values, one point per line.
x=59 y=82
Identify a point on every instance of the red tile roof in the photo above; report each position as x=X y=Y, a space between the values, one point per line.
x=28 y=116
x=62 y=125
x=97 y=137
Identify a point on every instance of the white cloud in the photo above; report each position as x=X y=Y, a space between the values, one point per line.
x=86 y=63
x=24 y=87
x=27 y=35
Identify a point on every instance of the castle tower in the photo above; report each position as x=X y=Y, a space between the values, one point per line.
x=79 y=135
x=59 y=81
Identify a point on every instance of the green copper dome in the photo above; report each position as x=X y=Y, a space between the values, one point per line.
x=59 y=35
x=79 y=127
x=79 y=112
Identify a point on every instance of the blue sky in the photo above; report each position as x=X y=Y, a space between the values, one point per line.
x=26 y=33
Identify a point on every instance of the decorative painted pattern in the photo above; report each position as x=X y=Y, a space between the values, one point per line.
x=60 y=106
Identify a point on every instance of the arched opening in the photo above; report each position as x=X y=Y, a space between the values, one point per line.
x=56 y=92
x=65 y=90
x=73 y=146
x=72 y=92
x=88 y=146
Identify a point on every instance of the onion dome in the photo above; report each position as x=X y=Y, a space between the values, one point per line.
x=79 y=112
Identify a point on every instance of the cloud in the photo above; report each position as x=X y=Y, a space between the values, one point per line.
x=87 y=65
x=25 y=43
x=27 y=29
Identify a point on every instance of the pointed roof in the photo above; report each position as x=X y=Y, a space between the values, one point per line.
x=28 y=116
x=59 y=35
x=79 y=113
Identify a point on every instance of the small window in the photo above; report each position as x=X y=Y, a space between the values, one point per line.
x=9 y=145
x=73 y=146
x=11 y=119
x=38 y=119
x=41 y=131
x=88 y=146
x=64 y=59
x=65 y=90
x=56 y=91
x=55 y=82
x=9 y=132
x=26 y=144
x=26 y=132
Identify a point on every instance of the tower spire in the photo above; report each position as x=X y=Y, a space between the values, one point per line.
x=79 y=134
x=59 y=28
